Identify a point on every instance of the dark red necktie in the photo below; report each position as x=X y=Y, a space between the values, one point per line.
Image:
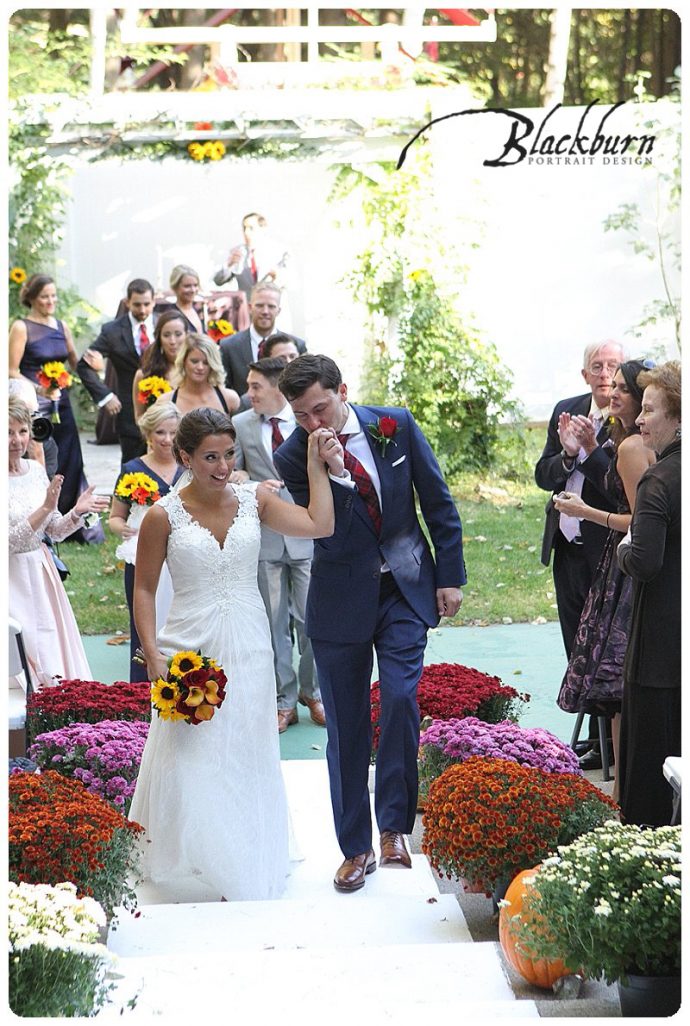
x=276 y=437
x=252 y=265
x=143 y=338
x=365 y=485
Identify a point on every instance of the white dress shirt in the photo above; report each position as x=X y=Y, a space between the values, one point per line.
x=286 y=426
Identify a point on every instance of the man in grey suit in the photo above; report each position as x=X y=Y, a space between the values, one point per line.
x=239 y=350
x=284 y=563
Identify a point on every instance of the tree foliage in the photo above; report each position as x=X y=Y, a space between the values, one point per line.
x=421 y=353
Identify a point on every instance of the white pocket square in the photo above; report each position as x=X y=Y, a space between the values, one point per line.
x=401 y=460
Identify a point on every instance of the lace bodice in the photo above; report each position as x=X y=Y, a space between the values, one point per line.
x=197 y=562
x=26 y=492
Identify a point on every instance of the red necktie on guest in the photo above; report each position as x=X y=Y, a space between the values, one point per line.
x=276 y=437
x=252 y=265
x=144 y=339
x=365 y=485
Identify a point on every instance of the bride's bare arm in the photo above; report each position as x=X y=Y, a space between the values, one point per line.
x=318 y=519
x=151 y=550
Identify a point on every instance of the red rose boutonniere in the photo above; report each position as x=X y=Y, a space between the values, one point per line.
x=383 y=431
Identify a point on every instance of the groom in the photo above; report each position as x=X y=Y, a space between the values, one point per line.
x=374 y=586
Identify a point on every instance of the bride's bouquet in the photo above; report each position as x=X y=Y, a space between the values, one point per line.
x=149 y=389
x=193 y=689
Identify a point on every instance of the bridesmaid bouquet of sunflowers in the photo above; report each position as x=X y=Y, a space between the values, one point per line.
x=138 y=489
x=193 y=689
x=54 y=375
x=151 y=388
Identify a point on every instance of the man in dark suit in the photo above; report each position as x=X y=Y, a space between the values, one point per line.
x=245 y=347
x=374 y=586
x=562 y=466
x=122 y=341
x=259 y=260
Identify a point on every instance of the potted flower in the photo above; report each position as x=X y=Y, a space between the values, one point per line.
x=448 y=690
x=446 y=742
x=58 y=831
x=611 y=902
x=57 y=966
x=105 y=756
x=486 y=819
x=86 y=701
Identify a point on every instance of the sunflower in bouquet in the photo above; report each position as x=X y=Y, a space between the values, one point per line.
x=219 y=329
x=151 y=388
x=54 y=375
x=194 y=687
x=138 y=489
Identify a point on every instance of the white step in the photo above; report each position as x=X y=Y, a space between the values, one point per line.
x=403 y=984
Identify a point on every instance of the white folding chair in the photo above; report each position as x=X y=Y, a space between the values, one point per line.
x=19 y=689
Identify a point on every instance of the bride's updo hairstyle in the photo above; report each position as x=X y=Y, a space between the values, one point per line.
x=196 y=426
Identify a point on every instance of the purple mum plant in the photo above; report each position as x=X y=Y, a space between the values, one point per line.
x=105 y=756
x=450 y=741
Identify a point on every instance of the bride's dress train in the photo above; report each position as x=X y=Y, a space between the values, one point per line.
x=211 y=796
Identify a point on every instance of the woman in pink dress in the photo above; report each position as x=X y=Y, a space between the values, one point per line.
x=37 y=598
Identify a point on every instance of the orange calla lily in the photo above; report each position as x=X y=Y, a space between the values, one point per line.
x=195 y=697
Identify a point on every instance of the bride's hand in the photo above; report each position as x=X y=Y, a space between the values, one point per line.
x=157 y=666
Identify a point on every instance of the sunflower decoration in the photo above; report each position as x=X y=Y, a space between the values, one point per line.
x=138 y=489
x=192 y=691
x=18 y=275
x=54 y=375
x=220 y=329
x=151 y=388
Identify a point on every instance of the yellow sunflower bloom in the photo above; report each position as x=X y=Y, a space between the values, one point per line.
x=196 y=151
x=183 y=662
x=225 y=326
x=164 y=698
x=18 y=275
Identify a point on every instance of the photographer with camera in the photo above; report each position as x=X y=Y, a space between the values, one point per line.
x=37 y=598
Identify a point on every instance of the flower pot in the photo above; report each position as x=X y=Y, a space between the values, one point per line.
x=646 y=996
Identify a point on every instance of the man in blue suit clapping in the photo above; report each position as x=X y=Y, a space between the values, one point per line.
x=374 y=586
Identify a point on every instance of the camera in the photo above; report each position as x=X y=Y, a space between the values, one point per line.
x=41 y=427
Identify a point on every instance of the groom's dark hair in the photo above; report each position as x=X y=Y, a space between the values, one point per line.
x=307 y=370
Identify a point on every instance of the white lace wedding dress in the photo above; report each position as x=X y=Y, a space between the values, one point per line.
x=211 y=796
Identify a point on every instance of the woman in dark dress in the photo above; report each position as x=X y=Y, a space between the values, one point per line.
x=651 y=555
x=593 y=681
x=35 y=340
x=158 y=425
x=184 y=281
x=201 y=378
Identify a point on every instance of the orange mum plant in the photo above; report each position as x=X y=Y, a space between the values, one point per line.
x=487 y=819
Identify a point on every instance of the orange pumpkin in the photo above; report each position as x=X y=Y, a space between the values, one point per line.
x=541 y=972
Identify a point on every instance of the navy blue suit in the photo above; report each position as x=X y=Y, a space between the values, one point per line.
x=352 y=609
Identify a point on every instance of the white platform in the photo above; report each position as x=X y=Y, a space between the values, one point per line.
x=397 y=950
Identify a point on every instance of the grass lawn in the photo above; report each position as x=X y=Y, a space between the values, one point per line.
x=502 y=525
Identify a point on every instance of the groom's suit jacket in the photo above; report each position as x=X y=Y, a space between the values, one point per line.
x=346 y=571
x=117 y=343
x=251 y=455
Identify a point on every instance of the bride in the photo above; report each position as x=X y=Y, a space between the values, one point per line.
x=211 y=796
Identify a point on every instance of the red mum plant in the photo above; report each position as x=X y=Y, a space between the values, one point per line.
x=59 y=831
x=85 y=701
x=487 y=819
x=450 y=691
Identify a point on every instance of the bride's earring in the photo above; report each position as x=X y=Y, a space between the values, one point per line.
x=678 y=431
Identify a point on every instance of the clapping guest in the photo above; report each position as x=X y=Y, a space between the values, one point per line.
x=37 y=598
x=184 y=281
x=159 y=359
x=158 y=425
x=200 y=375
x=35 y=340
x=651 y=555
x=593 y=681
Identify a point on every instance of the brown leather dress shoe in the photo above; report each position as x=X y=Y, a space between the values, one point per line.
x=316 y=713
x=394 y=850
x=350 y=876
x=286 y=718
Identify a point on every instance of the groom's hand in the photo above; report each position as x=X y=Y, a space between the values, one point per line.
x=448 y=601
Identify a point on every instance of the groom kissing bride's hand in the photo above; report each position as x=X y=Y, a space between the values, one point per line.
x=375 y=586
